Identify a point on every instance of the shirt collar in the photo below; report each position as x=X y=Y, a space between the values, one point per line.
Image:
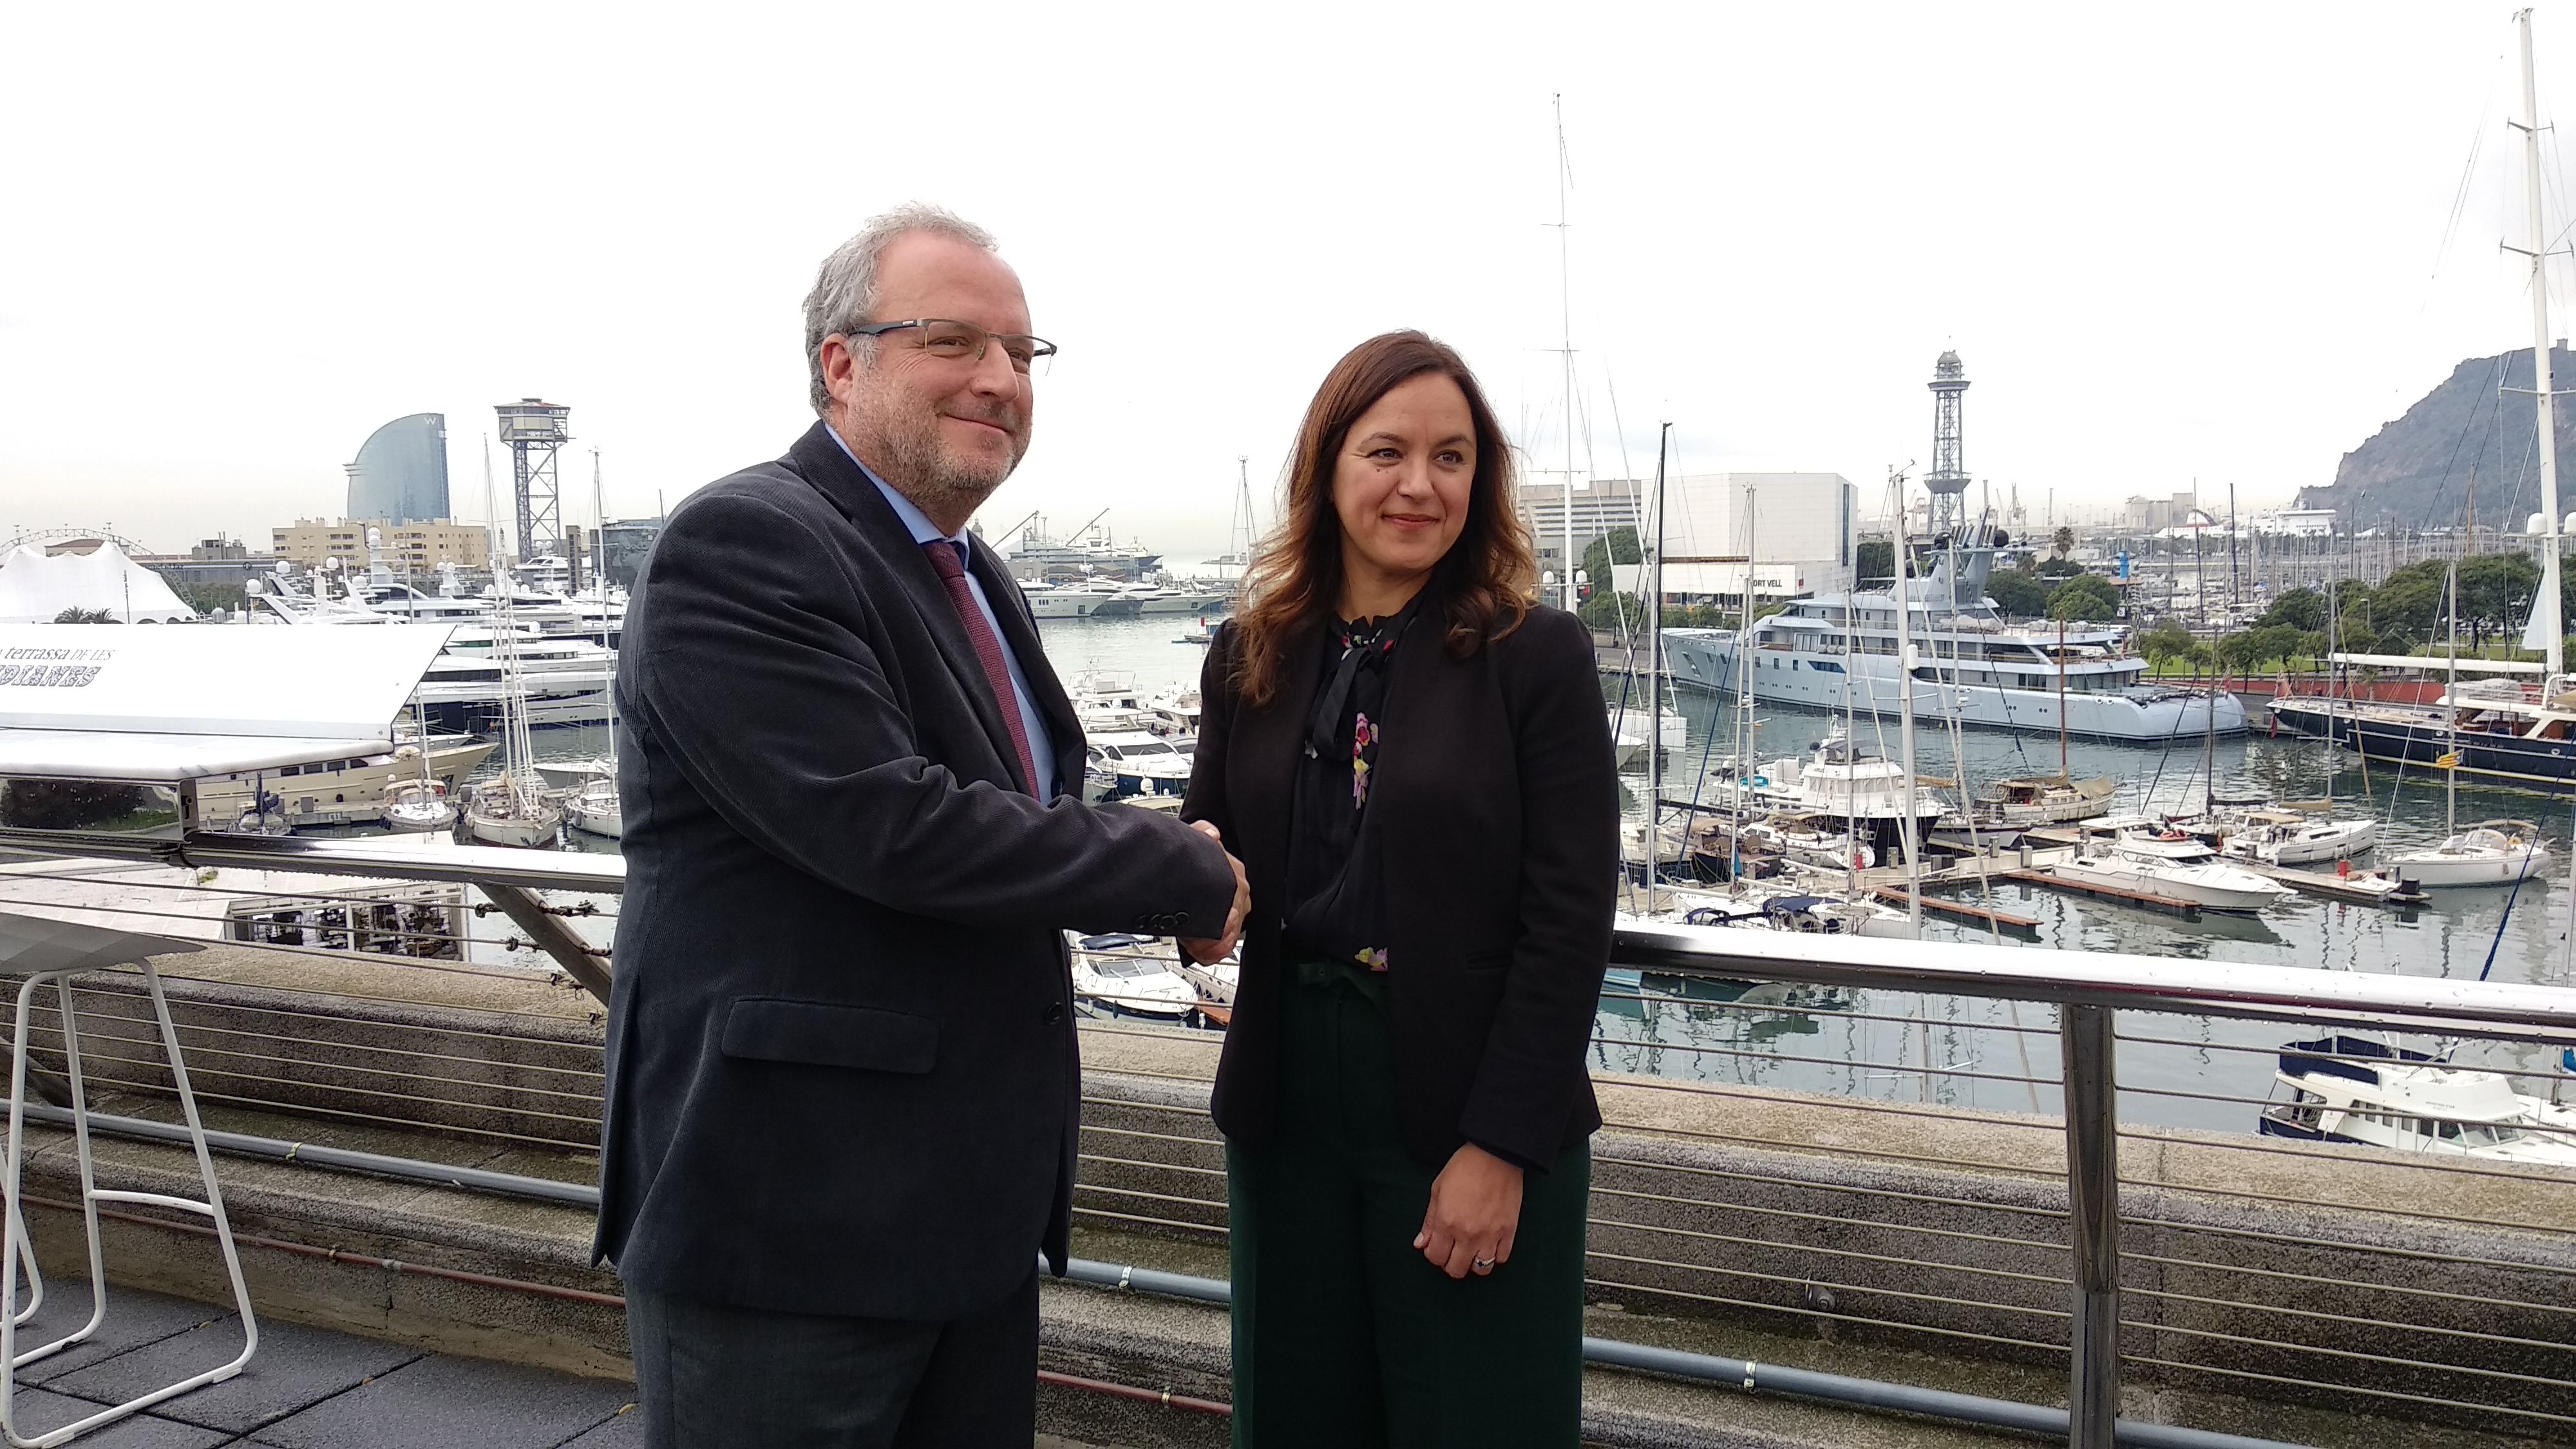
x=922 y=529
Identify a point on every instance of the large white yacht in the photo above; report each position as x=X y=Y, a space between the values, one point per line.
x=1839 y=651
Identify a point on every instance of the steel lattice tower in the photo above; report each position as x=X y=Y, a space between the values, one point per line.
x=1948 y=479
x=534 y=430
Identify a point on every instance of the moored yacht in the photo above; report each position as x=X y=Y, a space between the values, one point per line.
x=2493 y=852
x=1838 y=652
x=2169 y=864
x=2367 y=1093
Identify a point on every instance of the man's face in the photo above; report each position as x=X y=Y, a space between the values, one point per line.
x=942 y=432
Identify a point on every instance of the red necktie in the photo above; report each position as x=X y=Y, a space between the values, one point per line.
x=988 y=649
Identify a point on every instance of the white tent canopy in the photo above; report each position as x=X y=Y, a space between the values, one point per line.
x=35 y=589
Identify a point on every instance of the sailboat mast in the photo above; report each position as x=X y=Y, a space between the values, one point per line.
x=2544 y=611
x=1565 y=316
x=1654 y=576
x=2451 y=707
x=1912 y=822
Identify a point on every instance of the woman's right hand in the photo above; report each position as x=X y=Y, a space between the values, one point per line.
x=1209 y=952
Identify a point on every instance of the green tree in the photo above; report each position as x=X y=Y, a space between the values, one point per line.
x=2087 y=597
x=1875 y=561
x=2063 y=541
x=2405 y=610
x=2165 y=643
x=2353 y=633
x=2059 y=568
x=2299 y=609
x=1619 y=545
x=78 y=615
x=2019 y=595
x=1611 y=612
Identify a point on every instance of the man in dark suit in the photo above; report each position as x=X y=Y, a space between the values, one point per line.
x=843 y=1090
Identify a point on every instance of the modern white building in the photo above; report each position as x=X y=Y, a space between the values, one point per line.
x=1600 y=505
x=1785 y=534
x=2295 y=522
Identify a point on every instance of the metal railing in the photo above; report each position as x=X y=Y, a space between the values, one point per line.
x=2009 y=1206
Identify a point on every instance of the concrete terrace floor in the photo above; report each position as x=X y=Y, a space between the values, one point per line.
x=306 y=1388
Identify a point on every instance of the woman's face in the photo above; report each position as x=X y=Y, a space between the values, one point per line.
x=1403 y=478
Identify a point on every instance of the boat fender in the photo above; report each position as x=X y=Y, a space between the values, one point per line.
x=2343 y=870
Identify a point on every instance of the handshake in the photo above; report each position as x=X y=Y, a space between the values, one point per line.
x=1207 y=952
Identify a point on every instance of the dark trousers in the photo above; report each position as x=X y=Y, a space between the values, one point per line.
x=712 y=1376
x=1344 y=1334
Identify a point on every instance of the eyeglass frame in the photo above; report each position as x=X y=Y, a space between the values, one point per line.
x=1039 y=348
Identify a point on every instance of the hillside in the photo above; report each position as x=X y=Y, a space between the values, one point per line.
x=2415 y=472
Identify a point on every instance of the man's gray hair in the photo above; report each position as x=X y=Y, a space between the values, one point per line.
x=845 y=291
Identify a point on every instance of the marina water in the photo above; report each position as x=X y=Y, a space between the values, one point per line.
x=2191 y=1072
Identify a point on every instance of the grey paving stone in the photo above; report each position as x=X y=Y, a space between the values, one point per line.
x=626 y=1431
x=296 y=1367
x=133 y=1319
x=440 y=1403
x=38 y=1411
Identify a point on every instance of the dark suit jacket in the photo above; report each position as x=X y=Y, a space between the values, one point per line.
x=1500 y=802
x=841 y=1070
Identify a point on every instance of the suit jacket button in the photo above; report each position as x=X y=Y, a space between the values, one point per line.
x=1054 y=1012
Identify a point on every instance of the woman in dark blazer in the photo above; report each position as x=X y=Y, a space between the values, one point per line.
x=1413 y=762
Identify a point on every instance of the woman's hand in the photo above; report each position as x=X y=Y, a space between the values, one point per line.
x=1475 y=1209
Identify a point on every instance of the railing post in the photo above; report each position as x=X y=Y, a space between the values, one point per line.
x=551 y=936
x=2093 y=1223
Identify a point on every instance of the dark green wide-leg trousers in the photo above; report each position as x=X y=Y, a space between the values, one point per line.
x=1344 y=1335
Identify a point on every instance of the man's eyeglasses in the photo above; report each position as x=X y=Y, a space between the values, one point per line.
x=964 y=341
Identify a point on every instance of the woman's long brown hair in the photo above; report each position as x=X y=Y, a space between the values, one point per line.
x=1481 y=585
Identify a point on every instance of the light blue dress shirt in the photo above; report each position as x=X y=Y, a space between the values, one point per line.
x=1041 y=744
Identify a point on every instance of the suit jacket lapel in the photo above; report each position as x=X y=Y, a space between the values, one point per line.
x=818 y=459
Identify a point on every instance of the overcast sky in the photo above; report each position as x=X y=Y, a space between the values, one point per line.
x=2171 y=242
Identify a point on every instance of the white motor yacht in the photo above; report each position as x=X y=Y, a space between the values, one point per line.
x=573 y=774
x=2494 y=852
x=1132 y=762
x=2171 y=864
x=1174 y=712
x=2368 y=1093
x=1131 y=976
x=2285 y=837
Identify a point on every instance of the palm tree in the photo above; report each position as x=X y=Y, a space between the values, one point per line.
x=78 y=615
x=2063 y=540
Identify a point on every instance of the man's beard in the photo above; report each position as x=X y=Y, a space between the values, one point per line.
x=905 y=449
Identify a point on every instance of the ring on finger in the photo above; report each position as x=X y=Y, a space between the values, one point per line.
x=1483 y=1265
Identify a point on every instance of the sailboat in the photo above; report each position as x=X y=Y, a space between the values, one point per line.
x=418 y=806
x=512 y=808
x=2518 y=742
x=593 y=806
x=2493 y=852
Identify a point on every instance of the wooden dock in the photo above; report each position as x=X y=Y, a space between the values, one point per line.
x=2188 y=910
x=2361 y=888
x=1982 y=915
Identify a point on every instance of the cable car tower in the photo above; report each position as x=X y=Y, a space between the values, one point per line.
x=1948 y=479
x=535 y=430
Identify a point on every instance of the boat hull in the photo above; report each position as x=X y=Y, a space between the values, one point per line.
x=2491 y=762
x=1707 y=661
x=2434 y=870
x=2209 y=896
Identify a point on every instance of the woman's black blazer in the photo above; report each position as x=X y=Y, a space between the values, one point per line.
x=1499 y=804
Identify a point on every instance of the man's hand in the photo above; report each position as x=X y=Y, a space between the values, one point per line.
x=1207 y=952
x=1475 y=1211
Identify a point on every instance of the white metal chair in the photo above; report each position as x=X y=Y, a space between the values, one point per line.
x=53 y=952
